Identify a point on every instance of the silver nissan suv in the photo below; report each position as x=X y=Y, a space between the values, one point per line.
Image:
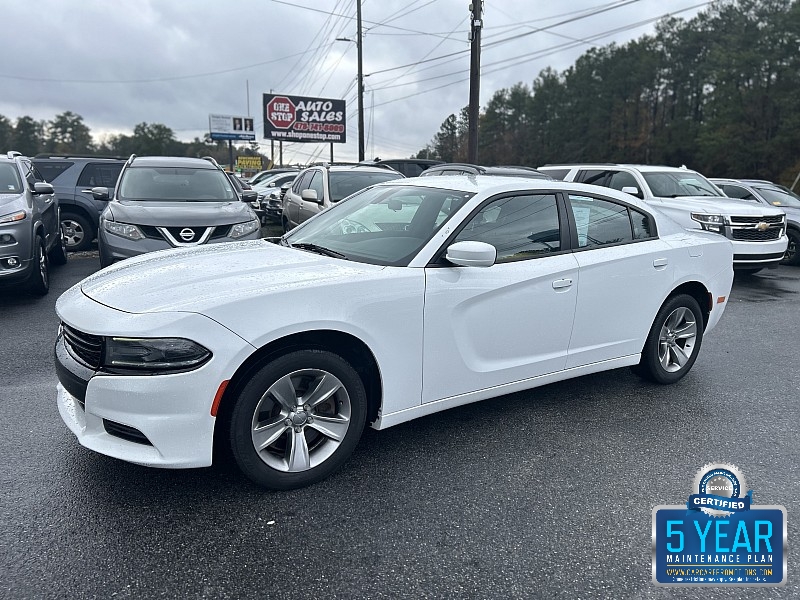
x=30 y=235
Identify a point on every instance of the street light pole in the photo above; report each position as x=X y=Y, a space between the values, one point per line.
x=359 y=40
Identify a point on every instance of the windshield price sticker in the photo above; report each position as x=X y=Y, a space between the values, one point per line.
x=719 y=538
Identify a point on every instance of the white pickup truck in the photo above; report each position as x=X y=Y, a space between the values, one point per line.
x=757 y=232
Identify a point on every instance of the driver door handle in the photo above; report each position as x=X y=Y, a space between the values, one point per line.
x=560 y=284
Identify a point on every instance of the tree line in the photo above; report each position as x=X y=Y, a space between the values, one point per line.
x=68 y=134
x=719 y=93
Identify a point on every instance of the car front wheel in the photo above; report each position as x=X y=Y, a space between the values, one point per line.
x=78 y=231
x=298 y=419
x=792 y=257
x=674 y=341
x=39 y=283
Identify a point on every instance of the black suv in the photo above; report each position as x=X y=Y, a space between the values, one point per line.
x=30 y=236
x=72 y=178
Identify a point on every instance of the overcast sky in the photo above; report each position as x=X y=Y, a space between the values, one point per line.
x=121 y=62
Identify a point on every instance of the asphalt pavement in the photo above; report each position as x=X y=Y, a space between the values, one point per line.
x=541 y=494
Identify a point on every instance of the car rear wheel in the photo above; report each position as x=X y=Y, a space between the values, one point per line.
x=298 y=419
x=39 y=283
x=792 y=257
x=78 y=231
x=674 y=341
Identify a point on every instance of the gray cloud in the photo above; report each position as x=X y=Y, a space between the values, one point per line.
x=118 y=63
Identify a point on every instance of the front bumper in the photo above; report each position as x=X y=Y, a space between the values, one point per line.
x=758 y=254
x=153 y=420
x=115 y=247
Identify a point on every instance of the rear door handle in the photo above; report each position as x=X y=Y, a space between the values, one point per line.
x=660 y=262
x=560 y=284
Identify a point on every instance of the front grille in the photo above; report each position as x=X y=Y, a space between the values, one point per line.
x=754 y=235
x=85 y=347
x=125 y=432
x=151 y=232
x=772 y=219
x=197 y=233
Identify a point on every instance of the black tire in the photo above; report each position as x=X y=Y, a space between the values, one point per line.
x=79 y=231
x=342 y=413
x=58 y=253
x=675 y=314
x=39 y=282
x=105 y=260
x=792 y=257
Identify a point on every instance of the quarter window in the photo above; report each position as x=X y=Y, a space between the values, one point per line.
x=100 y=174
x=519 y=227
x=600 y=222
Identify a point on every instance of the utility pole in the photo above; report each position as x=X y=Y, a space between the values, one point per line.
x=474 y=79
x=359 y=40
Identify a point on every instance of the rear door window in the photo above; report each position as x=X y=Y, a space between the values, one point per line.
x=600 y=222
x=51 y=169
x=100 y=174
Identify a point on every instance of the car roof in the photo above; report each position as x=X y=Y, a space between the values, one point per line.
x=172 y=161
x=642 y=168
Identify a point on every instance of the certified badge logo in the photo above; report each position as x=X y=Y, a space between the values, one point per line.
x=719 y=537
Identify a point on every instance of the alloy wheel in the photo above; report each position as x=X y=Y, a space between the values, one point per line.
x=676 y=340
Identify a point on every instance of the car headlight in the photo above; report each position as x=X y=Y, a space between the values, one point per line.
x=241 y=229
x=708 y=222
x=131 y=232
x=153 y=354
x=13 y=217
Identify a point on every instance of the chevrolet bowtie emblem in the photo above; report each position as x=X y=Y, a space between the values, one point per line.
x=762 y=226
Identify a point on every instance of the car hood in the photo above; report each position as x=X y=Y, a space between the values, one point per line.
x=6 y=200
x=718 y=205
x=206 y=277
x=179 y=214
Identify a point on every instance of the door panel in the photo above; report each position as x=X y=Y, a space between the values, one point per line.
x=489 y=326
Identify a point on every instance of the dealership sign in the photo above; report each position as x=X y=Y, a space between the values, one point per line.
x=230 y=127
x=303 y=119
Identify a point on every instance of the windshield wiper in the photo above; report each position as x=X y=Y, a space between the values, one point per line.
x=318 y=249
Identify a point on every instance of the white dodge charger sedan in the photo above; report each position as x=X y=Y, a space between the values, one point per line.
x=407 y=298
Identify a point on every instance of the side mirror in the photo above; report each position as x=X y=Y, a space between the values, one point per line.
x=310 y=195
x=471 y=254
x=633 y=191
x=249 y=195
x=100 y=193
x=42 y=189
x=271 y=184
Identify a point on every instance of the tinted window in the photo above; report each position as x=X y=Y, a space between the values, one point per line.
x=10 y=182
x=734 y=191
x=344 y=183
x=778 y=197
x=51 y=169
x=642 y=225
x=518 y=227
x=593 y=176
x=600 y=222
x=675 y=184
x=100 y=174
x=317 y=185
x=556 y=173
x=621 y=179
x=301 y=182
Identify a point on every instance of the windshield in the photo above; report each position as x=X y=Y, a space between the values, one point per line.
x=673 y=184
x=176 y=184
x=384 y=225
x=344 y=183
x=9 y=179
x=272 y=179
x=777 y=197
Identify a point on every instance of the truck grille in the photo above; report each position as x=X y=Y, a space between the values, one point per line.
x=771 y=219
x=86 y=347
x=754 y=235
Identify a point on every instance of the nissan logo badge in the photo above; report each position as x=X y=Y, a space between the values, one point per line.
x=187 y=235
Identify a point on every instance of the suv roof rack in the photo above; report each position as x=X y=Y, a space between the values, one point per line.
x=212 y=160
x=130 y=160
x=12 y=154
x=68 y=155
